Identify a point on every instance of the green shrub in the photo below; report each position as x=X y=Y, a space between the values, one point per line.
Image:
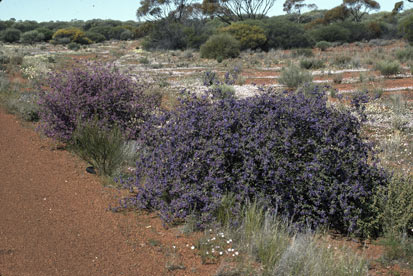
x=165 y=35
x=396 y=203
x=220 y=46
x=95 y=37
x=388 y=68
x=31 y=37
x=323 y=45
x=330 y=33
x=11 y=35
x=311 y=63
x=196 y=34
x=292 y=76
x=406 y=28
x=250 y=37
x=126 y=35
x=282 y=33
x=48 y=34
x=103 y=149
x=73 y=46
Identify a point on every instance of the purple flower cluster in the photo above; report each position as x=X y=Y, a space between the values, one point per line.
x=91 y=91
x=295 y=154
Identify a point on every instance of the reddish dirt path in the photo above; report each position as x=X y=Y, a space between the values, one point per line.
x=53 y=217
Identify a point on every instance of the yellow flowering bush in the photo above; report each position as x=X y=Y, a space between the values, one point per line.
x=74 y=34
x=250 y=37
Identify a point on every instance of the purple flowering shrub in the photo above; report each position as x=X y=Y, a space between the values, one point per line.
x=295 y=154
x=89 y=92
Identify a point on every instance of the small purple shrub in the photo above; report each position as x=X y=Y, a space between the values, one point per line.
x=93 y=91
x=295 y=154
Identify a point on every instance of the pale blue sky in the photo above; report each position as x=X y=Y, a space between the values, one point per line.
x=66 y=10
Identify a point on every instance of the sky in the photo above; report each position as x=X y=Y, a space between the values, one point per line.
x=66 y=10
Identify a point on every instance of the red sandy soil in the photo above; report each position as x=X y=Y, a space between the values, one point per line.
x=54 y=218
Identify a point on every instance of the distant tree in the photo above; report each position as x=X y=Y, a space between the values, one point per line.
x=398 y=7
x=359 y=8
x=237 y=10
x=339 y=13
x=295 y=6
x=160 y=9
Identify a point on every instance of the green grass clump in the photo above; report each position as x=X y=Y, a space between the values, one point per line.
x=323 y=45
x=398 y=249
x=396 y=202
x=405 y=54
x=388 y=68
x=103 y=149
x=222 y=91
x=342 y=61
x=265 y=239
x=23 y=105
x=311 y=63
x=292 y=76
x=302 y=52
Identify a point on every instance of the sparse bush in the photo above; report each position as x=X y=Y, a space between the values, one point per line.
x=11 y=35
x=388 y=68
x=398 y=248
x=103 y=148
x=250 y=37
x=221 y=46
x=209 y=78
x=338 y=78
x=222 y=91
x=31 y=37
x=342 y=61
x=90 y=91
x=302 y=52
x=405 y=54
x=395 y=202
x=311 y=63
x=323 y=45
x=292 y=76
x=16 y=60
x=24 y=105
x=298 y=156
x=4 y=59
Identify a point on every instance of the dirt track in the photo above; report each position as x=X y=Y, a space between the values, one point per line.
x=53 y=215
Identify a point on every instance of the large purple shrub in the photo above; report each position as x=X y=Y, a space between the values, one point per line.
x=93 y=91
x=292 y=152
